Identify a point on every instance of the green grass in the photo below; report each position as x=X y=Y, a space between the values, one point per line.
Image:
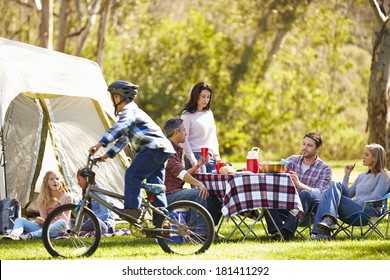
x=127 y=247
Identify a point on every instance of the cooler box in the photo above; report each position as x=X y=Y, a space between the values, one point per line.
x=180 y=216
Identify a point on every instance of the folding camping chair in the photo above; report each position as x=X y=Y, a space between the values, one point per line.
x=362 y=220
x=307 y=221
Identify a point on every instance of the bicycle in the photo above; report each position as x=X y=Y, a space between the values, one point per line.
x=184 y=227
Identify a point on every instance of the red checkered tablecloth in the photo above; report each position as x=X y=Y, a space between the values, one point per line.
x=241 y=192
x=215 y=183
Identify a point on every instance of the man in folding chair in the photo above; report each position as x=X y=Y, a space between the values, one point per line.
x=337 y=200
x=176 y=174
x=311 y=176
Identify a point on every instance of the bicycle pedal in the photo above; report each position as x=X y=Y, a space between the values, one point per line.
x=136 y=232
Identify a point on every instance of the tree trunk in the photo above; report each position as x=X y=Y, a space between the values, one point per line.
x=91 y=22
x=63 y=25
x=379 y=91
x=102 y=31
x=46 y=30
x=241 y=69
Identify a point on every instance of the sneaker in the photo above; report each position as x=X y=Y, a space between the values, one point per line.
x=326 y=224
x=276 y=236
x=131 y=215
x=320 y=236
x=287 y=235
x=11 y=236
x=26 y=236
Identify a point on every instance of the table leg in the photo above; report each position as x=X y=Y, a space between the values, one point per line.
x=242 y=219
x=236 y=228
x=250 y=229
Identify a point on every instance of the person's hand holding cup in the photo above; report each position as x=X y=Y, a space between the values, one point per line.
x=204 y=151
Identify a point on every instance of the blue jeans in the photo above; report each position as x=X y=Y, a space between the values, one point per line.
x=22 y=225
x=105 y=228
x=336 y=202
x=150 y=165
x=211 y=204
x=207 y=168
x=284 y=219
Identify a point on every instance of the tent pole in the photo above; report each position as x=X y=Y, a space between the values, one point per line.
x=3 y=161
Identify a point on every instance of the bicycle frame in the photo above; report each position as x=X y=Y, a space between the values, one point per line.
x=146 y=203
x=183 y=227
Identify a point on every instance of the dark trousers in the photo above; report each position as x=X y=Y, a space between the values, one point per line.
x=284 y=219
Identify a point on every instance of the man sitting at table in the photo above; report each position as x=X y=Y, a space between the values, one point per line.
x=176 y=174
x=311 y=176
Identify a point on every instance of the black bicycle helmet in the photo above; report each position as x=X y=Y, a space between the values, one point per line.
x=126 y=89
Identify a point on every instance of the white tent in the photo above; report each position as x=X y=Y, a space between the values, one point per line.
x=53 y=107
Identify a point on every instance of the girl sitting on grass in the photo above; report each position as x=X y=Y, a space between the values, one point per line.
x=53 y=193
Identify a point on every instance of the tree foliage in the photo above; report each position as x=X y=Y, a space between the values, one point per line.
x=279 y=69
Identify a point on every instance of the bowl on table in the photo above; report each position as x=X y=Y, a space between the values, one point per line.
x=227 y=169
x=272 y=167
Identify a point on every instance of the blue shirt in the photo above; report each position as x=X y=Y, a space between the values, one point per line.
x=101 y=211
x=137 y=128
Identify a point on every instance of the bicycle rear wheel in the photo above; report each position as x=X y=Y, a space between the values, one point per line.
x=196 y=233
x=65 y=242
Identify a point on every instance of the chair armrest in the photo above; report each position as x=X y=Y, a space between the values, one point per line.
x=377 y=202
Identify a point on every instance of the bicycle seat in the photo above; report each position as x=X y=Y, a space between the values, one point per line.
x=154 y=188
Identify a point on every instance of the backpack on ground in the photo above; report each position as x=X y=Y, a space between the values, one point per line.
x=10 y=209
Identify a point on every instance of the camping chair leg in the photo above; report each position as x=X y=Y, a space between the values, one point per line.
x=310 y=227
x=353 y=236
x=342 y=228
x=265 y=230
x=220 y=224
x=373 y=227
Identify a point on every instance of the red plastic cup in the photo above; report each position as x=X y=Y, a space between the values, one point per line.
x=219 y=165
x=204 y=151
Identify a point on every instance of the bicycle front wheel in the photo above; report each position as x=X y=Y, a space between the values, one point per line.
x=195 y=233
x=62 y=240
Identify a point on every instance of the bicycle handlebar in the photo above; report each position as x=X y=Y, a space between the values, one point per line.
x=91 y=161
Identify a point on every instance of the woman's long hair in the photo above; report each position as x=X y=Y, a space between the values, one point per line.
x=192 y=104
x=44 y=197
x=380 y=158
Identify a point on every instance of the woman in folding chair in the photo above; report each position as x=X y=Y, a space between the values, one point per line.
x=370 y=185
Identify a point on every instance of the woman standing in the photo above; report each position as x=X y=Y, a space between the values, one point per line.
x=200 y=127
x=370 y=185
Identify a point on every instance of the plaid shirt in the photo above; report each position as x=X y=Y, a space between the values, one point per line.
x=137 y=128
x=317 y=176
x=173 y=169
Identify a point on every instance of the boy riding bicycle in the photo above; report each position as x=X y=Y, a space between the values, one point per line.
x=148 y=141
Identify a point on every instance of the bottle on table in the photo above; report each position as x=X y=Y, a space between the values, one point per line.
x=252 y=160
